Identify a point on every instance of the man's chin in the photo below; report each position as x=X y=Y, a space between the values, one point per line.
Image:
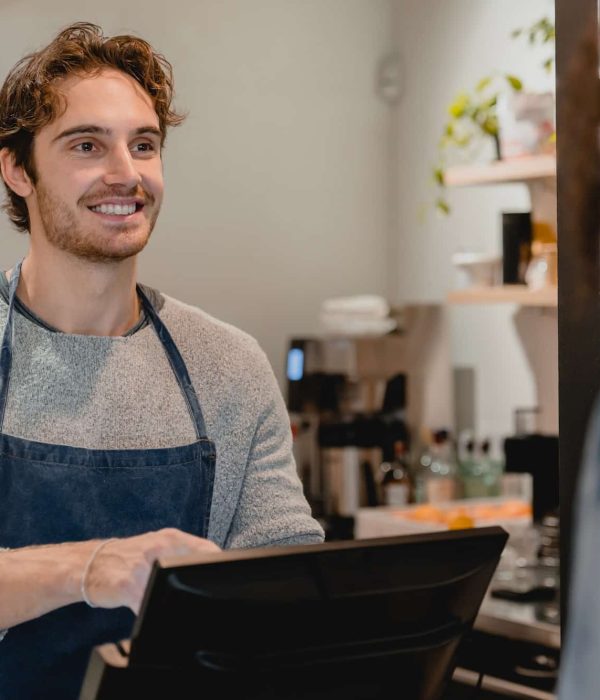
x=109 y=252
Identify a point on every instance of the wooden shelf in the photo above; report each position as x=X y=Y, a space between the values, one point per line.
x=507 y=294
x=502 y=171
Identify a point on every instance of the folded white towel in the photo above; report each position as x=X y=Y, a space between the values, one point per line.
x=364 y=305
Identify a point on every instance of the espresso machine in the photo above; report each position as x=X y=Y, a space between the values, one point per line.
x=351 y=398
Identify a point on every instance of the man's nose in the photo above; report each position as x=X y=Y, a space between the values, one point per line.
x=121 y=168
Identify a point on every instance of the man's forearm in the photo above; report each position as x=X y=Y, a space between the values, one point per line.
x=36 y=580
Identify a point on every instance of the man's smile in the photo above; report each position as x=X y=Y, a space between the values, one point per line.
x=118 y=209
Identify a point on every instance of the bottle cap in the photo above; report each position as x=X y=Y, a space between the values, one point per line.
x=399 y=447
x=440 y=436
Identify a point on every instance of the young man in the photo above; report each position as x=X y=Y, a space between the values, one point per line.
x=132 y=426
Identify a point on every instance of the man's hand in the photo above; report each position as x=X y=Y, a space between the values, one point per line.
x=119 y=573
x=35 y=580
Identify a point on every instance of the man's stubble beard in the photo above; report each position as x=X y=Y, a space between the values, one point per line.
x=65 y=232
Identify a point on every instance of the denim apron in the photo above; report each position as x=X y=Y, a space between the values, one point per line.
x=55 y=493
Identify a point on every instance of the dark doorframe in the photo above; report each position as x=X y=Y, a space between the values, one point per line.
x=578 y=314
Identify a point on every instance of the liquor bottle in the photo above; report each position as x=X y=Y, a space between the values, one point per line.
x=493 y=468
x=396 y=480
x=471 y=468
x=480 y=471
x=436 y=472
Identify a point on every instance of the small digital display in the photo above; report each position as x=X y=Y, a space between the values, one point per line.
x=295 y=364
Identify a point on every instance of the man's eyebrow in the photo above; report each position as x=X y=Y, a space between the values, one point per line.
x=82 y=129
x=155 y=131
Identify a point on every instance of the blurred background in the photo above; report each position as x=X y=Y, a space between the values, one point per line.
x=303 y=171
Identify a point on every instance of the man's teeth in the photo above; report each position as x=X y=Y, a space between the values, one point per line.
x=121 y=209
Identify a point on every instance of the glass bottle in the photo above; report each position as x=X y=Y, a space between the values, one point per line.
x=436 y=471
x=493 y=468
x=471 y=468
x=396 y=482
x=480 y=470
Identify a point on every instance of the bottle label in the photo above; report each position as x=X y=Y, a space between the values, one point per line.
x=396 y=494
x=440 y=489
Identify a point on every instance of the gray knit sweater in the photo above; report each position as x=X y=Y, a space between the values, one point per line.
x=120 y=393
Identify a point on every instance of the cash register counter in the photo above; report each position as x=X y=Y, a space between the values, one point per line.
x=537 y=623
x=516 y=645
x=508 y=637
x=511 y=653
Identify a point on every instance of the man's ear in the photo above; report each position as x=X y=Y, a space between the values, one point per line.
x=14 y=175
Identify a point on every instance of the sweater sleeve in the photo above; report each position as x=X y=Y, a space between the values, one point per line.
x=272 y=509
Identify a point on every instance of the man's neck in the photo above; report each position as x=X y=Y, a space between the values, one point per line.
x=80 y=297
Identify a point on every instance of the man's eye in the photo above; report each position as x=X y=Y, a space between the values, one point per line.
x=85 y=146
x=144 y=147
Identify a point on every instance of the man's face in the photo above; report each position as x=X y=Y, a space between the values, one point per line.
x=99 y=172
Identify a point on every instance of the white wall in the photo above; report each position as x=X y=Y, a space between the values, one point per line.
x=446 y=47
x=277 y=184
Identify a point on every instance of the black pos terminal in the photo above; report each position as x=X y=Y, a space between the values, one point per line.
x=353 y=620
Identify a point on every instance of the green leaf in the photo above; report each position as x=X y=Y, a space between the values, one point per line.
x=489 y=104
x=438 y=176
x=460 y=105
x=548 y=29
x=515 y=83
x=490 y=126
x=482 y=84
x=442 y=206
x=549 y=64
x=543 y=31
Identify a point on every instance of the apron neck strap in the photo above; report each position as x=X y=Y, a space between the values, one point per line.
x=177 y=364
x=8 y=341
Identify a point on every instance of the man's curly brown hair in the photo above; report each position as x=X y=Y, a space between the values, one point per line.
x=30 y=98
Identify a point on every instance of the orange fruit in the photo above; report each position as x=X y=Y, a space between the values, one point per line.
x=460 y=522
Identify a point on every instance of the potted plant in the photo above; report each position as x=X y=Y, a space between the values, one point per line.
x=473 y=116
